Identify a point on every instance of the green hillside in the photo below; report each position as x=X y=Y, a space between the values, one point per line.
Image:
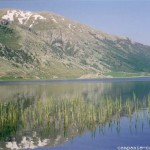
x=47 y=46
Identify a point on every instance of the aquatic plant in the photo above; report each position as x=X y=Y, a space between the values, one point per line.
x=67 y=117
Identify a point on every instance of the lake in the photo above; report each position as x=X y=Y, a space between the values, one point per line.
x=96 y=114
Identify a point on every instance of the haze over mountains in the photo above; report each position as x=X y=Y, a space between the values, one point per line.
x=45 y=45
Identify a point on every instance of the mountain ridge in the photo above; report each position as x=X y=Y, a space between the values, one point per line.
x=43 y=45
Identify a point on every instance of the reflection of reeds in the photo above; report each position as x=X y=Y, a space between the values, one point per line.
x=65 y=115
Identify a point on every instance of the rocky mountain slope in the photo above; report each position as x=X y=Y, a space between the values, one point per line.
x=44 y=45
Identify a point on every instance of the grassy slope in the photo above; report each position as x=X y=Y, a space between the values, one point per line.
x=36 y=55
x=13 y=60
x=71 y=75
x=9 y=37
x=126 y=74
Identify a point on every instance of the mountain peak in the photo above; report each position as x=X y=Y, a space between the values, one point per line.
x=22 y=16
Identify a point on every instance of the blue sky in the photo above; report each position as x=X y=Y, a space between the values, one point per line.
x=129 y=18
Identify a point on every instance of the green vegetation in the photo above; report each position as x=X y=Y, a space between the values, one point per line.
x=65 y=117
x=83 y=61
x=18 y=56
x=33 y=50
x=69 y=49
x=127 y=56
x=10 y=78
x=126 y=74
x=9 y=37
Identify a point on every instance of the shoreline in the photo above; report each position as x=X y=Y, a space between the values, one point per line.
x=105 y=79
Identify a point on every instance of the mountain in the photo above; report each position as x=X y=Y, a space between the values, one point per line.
x=42 y=45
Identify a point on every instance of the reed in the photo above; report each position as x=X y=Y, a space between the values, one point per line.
x=66 y=115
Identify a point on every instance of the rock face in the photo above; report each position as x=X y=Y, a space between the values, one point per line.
x=46 y=45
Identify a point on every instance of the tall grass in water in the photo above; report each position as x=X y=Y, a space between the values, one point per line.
x=67 y=116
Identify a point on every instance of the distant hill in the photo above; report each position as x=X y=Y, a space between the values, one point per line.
x=42 y=45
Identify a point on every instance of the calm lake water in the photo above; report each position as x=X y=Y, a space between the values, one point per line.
x=104 y=114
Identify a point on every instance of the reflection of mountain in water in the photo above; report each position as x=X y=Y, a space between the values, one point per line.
x=87 y=90
x=51 y=121
x=27 y=142
x=50 y=114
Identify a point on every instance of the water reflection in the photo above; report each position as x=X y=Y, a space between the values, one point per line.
x=80 y=89
x=34 y=116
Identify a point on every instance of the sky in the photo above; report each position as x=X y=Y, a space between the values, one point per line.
x=128 y=18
